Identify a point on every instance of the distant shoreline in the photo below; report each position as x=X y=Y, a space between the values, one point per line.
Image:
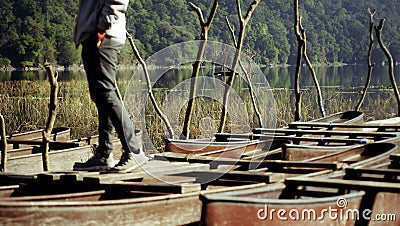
x=133 y=67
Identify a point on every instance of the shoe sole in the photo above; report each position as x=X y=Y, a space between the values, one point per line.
x=128 y=170
x=92 y=168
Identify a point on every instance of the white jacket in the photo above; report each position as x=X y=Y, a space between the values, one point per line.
x=100 y=16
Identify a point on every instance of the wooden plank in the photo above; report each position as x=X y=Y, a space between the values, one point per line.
x=152 y=169
x=379 y=127
x=395 y=157
x=271 y=164
x=54 y=145
x=373 y=171
x=88 y=195
x=344 y=184
x=370 y=174
x=65 y=176
x=169 y=179
x=156 y=187
x=10 y=178
x=249 y=176
x=351 y=134
x=319 y=140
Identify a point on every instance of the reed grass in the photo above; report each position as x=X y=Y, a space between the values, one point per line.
x=25 y=106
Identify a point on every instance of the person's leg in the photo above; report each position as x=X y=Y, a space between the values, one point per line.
x=133 y=155
x=100 y=65
x=106 y=133
x=102 y=158
x=111 y=101
x=91 y=60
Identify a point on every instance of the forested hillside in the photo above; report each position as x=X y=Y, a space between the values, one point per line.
x=36 y=30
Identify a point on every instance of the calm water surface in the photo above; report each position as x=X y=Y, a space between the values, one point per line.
x=328 y=77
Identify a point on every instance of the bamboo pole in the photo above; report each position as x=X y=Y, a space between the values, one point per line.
x=205 y=27
x=149 y=87
x=391 y=63
x=52 y=114
x=370 y=65
x=243 y=21
x=3 y=145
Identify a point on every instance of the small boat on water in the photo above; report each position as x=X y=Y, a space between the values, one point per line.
x=62 y=154
x=354 y=202
x=364 y=155
x=199 y=146
x=103 y=207
x=213 y=145
x=128 y=198
x=350 y=117
x=305 y=200
x=269 y=206
x=57 y=134
x=133 y=201
x=24 y=143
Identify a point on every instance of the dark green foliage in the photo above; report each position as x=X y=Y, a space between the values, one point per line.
x=33 y=31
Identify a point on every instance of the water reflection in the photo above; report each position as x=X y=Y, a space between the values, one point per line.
x=329 y=77
x=278 y=77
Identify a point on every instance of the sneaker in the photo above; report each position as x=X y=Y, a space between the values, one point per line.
x=96 y=163
x=129 y=162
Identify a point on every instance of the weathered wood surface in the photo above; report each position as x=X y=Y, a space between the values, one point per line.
x=353 y=117
x=368 y=154
x=171 y=209
x=254 y=205
x=58 y=134
x=371 y=174
x=245 y=164
x=378 y=127
x=210 y=145
x=329 y=133
x=61 y=160
x=344 y=184
x=294 y=139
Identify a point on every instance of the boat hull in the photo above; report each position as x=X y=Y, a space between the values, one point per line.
x=264 y=207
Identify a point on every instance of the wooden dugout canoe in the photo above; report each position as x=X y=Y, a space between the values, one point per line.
x=267 y=206
x=24 y=143
x=157 y=210
x=261 y=206
x=364 y=155
x=132 y=207
x=114 y=205
x=62 y=154
x=59 y=160
x=298 y=152
x=380 y=199
x=58 y=133
x=353 y=117
x=202 y=146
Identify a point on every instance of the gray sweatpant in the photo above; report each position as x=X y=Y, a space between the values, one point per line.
x=100 y=66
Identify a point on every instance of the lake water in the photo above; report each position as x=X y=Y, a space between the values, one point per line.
x=279 y=77
x=341 y=87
